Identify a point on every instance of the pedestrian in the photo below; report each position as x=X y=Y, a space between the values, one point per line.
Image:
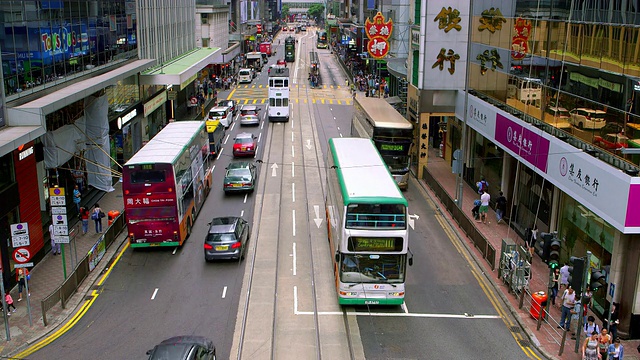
x=564 y=276
x=475 y=211
x=9 y=300
x=96 y=215
x=590 y=326
x=84 y=216
x=532 y=240
x=590 y=347
x=55 y=247
x=77 y=197
x=22 y=276
x=501 y=207
x=613 y=327
x=568 y=301
x=78 y=176
x=555 y=280
x=604 y=340
x=616 y=351
x=482 y=185
x=586 y=302
x=484 y=206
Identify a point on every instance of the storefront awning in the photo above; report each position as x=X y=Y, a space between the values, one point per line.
x=27 y=121
x=223 y=57
x=397 y=67
x=180 y=71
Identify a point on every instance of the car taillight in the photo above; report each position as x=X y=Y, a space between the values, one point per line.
x=246 y=184
x=588 y=117
x=208 y=247
x=236 y=245
x=228 y=185
x=175 y=235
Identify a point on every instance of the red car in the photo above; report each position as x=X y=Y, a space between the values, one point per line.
x=281 y=62
x=284 y=28
x=245 y=144
x=611 y=142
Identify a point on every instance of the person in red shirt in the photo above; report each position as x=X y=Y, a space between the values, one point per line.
x=84 y=216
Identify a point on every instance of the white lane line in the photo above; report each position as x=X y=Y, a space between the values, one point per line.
x=293 y=153
x=155 y=292
x=220 y=153
x=174 y=251
x=295 y=265
x=262 y=126
x=293 y=172
x=404 y=307
x=292 y=136
x=259 y=137
x=224 y=292
x=293 y=192
x=227 y=138
x=245 y=198
x=291 y=121
x=213 y=168
x=233 y=125
x=242 y=213
x=294 y=222
x=340 y=134
x=338 y=126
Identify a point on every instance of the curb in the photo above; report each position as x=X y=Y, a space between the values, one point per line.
x=481 y=266
x=77 y=299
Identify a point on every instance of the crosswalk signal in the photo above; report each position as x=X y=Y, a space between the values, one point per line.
x=554 y=253
x=576 y=273
x=597 y=280
x=545 y=245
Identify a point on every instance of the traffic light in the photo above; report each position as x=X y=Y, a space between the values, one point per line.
x=598 y=279
x=554 y=253
x=576 y=273
x=545 y=245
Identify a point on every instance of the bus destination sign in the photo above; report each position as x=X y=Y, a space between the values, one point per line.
x=375 y=244
x=391 y=147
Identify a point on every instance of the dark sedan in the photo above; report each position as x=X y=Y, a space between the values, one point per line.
x=184 y=348
x=240 y=177
x=227 y=238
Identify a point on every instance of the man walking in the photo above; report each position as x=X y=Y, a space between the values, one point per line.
x=564 y=276
x=484 y=206
x=568 y=302
x=501 y=207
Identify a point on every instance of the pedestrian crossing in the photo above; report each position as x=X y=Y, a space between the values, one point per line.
x=294 y=86
x=296 y=100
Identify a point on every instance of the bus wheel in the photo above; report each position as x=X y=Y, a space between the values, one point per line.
x=188 y=228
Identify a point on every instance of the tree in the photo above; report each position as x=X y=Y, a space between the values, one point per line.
x=285 y=12
x=316 y=11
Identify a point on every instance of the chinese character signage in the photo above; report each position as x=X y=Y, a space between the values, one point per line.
x=489 y=57
x=520 y=40
x=448 y=19
x=446 y=56
x=415 y=39
x=491 y=20
x=378 y=31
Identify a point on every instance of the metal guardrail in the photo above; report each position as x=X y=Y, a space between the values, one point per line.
x=70 y=286
x=463 y=220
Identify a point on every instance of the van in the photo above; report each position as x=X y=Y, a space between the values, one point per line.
x=223 y=114
x=265 y=59
x=245 y=75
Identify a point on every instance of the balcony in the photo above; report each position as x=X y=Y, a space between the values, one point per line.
x=215 y=3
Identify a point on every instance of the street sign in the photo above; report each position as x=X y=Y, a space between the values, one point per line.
x=25 y=265
x=59 y=230
x=20 y=235
x=61 y=239
x=58 y=200
x=21 y=255
x=56 y=191
x=59 y=219
x=57 y=210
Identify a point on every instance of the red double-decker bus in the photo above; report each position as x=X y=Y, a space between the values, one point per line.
x=165 y=185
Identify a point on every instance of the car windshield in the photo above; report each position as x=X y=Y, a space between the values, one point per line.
x=239 y=174
x=216 y=113
x=244 y=140
x=225 y=103
x=221 y=237
x=597 y=115
x=245 y=72
x=248 y=112
x=170 y=351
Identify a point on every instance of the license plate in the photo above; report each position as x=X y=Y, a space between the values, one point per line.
x=243 y=149
x=236 y=185
x=222 y=247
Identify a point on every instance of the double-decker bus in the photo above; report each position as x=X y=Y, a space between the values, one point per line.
x=290 y=49
x=367 y=225
x=321 y=40
x=278 y=94
x=314 y=69
x=165 y=185
x=375 y=119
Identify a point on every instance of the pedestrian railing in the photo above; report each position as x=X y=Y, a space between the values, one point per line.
x=463 y=220
x=70 y=286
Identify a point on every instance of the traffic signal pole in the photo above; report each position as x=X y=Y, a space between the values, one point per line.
x=582 y=288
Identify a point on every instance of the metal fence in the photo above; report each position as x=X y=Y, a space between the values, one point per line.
x=70 y=286
x=463 y=220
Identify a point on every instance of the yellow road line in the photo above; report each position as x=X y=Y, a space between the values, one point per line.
x=231 y=93
x=74 y=320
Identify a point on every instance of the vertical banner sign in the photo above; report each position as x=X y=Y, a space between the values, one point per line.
x=520 y=39
x=378 y=33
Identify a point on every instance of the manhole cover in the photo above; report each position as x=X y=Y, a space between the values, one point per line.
x=524 y=343
x=515 y=329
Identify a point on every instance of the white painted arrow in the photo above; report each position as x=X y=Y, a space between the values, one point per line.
x=273 y=169
x=309 y=144
x=412 y=223
x=318 y=219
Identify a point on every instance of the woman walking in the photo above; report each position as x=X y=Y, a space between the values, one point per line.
x=21 y=276
x=590 y=347
x=554 y=288
x=84 y=216
x=96 y=215
x=9 y=300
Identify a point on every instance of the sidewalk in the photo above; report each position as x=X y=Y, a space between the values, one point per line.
x=548 y=338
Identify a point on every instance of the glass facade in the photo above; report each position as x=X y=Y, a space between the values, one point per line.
x=47 y=42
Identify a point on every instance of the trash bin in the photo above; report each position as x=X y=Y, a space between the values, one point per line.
x=538 y=302
x=112 y=215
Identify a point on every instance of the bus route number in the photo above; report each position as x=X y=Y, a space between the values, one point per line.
x=391 y=147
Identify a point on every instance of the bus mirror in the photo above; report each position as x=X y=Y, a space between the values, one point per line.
x=337 y=257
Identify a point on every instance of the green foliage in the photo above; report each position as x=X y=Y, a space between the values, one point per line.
x=316 y=11
x=285 y=11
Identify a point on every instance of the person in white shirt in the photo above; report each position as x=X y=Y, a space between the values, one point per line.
x=568 y=301
x=484 y=206
x=564 y=276
x=55 y=248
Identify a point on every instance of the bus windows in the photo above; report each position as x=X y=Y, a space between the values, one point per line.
x=148 y=176
x=376 y=216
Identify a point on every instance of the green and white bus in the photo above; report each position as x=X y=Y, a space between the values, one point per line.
x=367 y=223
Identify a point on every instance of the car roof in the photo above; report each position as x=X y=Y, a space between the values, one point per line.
x=244 y=135
x=226 y=224
x=219 y=108
x=557 y=108
x=592 y=110
x=239 y=165
x=178 y=346
x=225 y=102
x=249 y=107
x=188 y=339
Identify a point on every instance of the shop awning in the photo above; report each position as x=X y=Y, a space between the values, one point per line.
x=180 y=71
x=27 y=121
x=223 y=57
x=397 y=67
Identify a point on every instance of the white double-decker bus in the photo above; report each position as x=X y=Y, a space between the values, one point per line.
x=279 y=94
x=367 y=225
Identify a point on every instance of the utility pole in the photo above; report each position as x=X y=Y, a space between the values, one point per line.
x=582 y=288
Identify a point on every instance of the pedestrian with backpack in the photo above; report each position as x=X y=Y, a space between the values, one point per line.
x=482 y=186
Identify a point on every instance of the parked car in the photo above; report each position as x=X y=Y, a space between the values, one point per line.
x=184 y=348
x=584 y=118
x=611 y=137
x=222 y=113
x=240 y=177
x=558 y=117
x=245 y=144
x=227 y=238
x=250 y=115
x=231 y=104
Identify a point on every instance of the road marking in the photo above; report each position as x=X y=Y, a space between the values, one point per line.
x=224 y=292
x=293 y=152
x=245 y=198
x=174 y=250
x=155 y=292
x=309 y=144
x=213 y=168
x=233 y=125
x=340 y=134
x=293 y=192
x=260 y=136
x=231 y=94
x=295 y=265
x=294 y=222
x=293 y=172
x=262 y=126
x=274 y=167
x=226 y=139
x=317 y=219
x=292 y=136
x=404 y=307
x=242 y=213
x=220 y=153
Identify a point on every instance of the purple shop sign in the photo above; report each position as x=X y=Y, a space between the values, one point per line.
x=530 y=146
x=633 y=207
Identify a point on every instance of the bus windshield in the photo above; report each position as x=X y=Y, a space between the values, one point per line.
x=372 y=268
x=148 y=176
x=379 y=216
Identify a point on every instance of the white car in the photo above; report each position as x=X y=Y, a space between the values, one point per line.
x=249 y=115
x=558 y=117
x=584 y=118
x=222 y=113
x=245 y=75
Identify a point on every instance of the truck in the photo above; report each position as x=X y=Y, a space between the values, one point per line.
x=254 y=59
x=265 y=48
